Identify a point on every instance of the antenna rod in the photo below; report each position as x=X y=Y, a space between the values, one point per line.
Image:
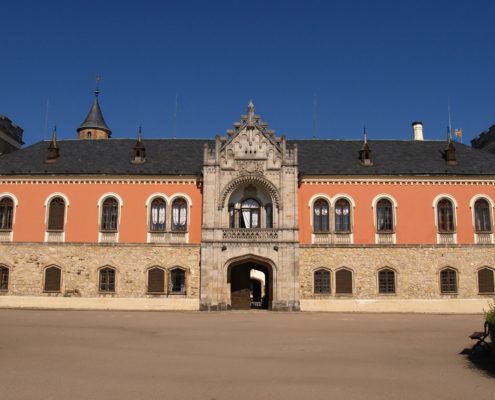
x=315 y=105
x=45 y=130
x=176 y=107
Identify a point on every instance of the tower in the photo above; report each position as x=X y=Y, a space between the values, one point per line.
x=94 y=126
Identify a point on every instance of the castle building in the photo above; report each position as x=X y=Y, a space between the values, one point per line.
x=10 y=136
x=246 y=220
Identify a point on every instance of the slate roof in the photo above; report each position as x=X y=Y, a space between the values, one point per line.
x=185 y=157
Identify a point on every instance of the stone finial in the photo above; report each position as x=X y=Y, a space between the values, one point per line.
x=53 y=149
x=365 y=152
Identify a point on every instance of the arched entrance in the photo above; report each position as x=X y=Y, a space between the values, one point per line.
x=251 y=285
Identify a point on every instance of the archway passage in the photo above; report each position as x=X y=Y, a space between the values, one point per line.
x=250 y=286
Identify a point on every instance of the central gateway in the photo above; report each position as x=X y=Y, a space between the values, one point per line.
x=250 y=286
x=250 y=220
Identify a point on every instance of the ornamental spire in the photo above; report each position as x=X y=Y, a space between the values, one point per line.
x=53 y=149
x=94 y=126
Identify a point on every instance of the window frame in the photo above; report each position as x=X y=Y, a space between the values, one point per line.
x=379 y=207
x=449 y=292
x=100 y=279
x=102 y=213
x=315 y=285
x=318 y=227
x=440 y=223
x=171 y=284
x=489 y=209
x=252 y=211
x=379 y=283
x=349 y=215
x=50 y=214
x=338 y=271
x=150 y=215
x=10 y=219
x=45 y=290
x=164 y=272
x=478 y=280
x=177 y=227
x=4 y=271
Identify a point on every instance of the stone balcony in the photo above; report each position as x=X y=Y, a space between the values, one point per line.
x=251 y=235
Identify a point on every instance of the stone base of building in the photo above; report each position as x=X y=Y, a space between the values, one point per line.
x=96 y=303
x=433 y=306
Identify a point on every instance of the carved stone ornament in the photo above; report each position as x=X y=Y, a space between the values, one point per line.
x=250 y=167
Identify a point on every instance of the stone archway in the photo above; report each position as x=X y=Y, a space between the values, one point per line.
x=250 y=290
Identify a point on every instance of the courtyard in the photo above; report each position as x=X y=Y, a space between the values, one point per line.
x=238 y=355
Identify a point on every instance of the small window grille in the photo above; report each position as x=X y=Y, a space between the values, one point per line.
x=485 y=281
x=343 y=281
x=107 y=280
x=322 y=282
x=386 y=281
x=448 y=281
x=177 y=281
x=4 y=279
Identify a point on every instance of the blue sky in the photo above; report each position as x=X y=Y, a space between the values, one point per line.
x=380 y=63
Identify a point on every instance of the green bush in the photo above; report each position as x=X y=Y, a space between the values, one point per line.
x=490 y=314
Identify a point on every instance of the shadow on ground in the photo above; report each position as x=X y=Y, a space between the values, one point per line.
x=481 y=359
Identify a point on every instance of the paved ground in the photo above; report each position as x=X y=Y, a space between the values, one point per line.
x=237 y=355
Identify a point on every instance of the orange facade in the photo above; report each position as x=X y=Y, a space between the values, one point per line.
x=83 y=208
x=415 y=211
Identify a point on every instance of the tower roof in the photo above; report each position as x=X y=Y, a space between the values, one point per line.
x=95 y=119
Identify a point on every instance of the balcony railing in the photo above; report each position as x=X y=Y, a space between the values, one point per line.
x=484 y=238
x=5 y=236
x=255 y=234
x=446 y=238
x=332 y=238
x=385 y=238
x=55 y=236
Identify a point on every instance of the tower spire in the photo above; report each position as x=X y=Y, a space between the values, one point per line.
x=365 y=152
x=139 y=151
x=94 y=126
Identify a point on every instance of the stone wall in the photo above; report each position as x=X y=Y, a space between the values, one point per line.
x=80 y=265
x=417 y=274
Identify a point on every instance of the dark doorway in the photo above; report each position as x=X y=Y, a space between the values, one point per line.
x=250 y=286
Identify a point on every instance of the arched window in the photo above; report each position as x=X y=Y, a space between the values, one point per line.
x=445 y=216
x=486 y=283
x=4 y=278
x=178 y=281
x=109 y=214
x=107 y=280
x=156 y=280
x=342 y=216
x=448 y=281
x=232 y=214
x=384 y=216
x=320 y=216
x=343 y=281
x=322 y=281
x=250 y=214
x=386 y=281
x=6 y=213
x=53 y=279
x=269 y=215
x=56 y=214
x=482 y=216
x=179 y=215
x=157 y=215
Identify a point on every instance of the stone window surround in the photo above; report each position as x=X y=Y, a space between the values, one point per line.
x=435 y=215
x=9 y=232
x=61 y=279
x=387 y=267
x=477 y=280
x=439 y=277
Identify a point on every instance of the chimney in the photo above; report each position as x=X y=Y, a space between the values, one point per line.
x=418 y=130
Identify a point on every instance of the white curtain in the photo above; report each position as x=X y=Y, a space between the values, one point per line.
x=175 y=215
x=254 y=218
x=182 y=220
x=245 y=217
x=161 y=214
x=154 y=215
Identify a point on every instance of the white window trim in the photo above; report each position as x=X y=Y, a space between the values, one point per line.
x=9 y=235
x=334 y=200
x=189 y=206
x=149 y=200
